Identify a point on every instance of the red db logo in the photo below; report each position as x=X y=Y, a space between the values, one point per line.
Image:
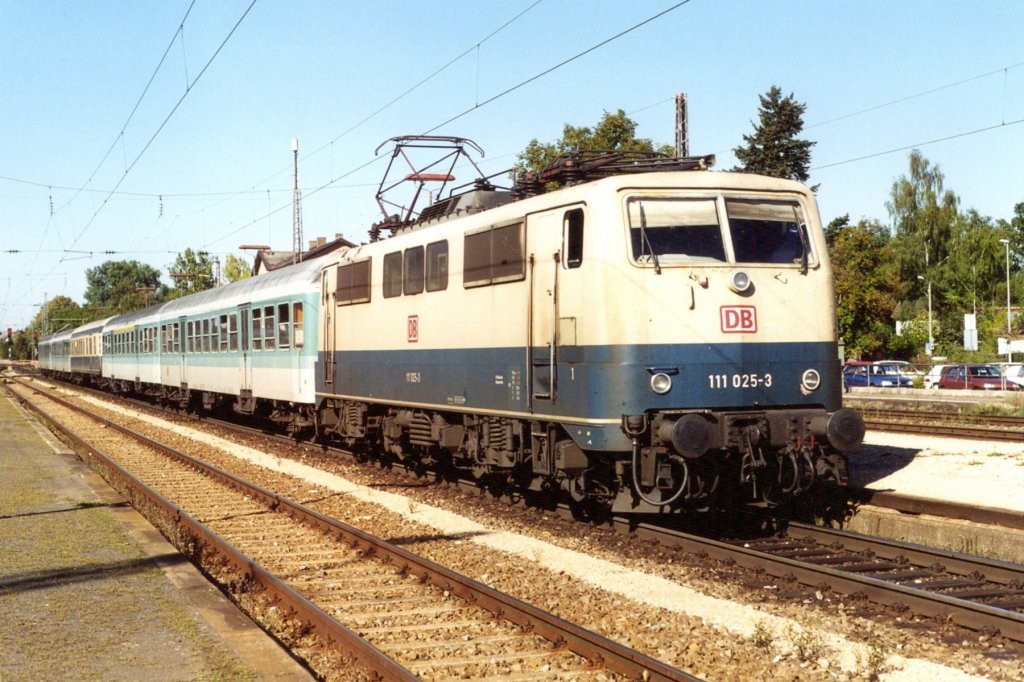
x=739 y=319
x=414 y=328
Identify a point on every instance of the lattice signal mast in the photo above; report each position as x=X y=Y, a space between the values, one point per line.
x=296 y=208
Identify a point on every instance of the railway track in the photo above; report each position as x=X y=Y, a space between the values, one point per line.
x=397 y=615
x=976 y=593
x=947 y=424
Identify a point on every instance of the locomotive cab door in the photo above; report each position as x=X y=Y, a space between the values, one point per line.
x=327 y=327
x=555 y=236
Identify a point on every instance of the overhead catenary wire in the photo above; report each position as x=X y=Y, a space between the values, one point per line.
x=490 y=100
x=160 y=128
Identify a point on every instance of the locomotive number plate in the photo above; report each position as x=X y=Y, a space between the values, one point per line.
x=739 y=380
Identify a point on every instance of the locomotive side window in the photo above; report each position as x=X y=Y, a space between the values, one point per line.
x=494 y=255
x=767 y=231
x=437 y=266
x=353 y=283
x=393 y=274
x=413 y=279
x=675 y=231
x=572 y=238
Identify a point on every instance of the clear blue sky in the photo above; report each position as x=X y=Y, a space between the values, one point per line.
x=217 y=172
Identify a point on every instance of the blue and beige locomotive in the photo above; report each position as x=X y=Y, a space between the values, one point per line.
x=649 y=337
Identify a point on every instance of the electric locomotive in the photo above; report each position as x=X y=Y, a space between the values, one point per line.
x=650 y=337
x=637 y=333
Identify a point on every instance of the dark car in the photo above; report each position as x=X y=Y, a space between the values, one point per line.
x=975 y=377
x=877 y=375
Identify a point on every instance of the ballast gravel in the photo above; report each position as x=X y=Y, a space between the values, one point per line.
x=667 y=604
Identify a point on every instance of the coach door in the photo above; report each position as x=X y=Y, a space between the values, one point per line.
x=179 y=351
x=245 y=352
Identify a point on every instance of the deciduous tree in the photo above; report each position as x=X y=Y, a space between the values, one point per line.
x=192 y=272
x=236 y=268
x=117 y=287
x=614 y=132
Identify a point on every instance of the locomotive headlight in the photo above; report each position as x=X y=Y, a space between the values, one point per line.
x=739 y=281
x=810 y=381
x=661 y=383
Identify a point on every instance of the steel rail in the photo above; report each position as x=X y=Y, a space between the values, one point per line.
x=972 y=615
x=203 y=540
x=1003 y=572
x=991 y=419
x=598 y=650
x=946 y=430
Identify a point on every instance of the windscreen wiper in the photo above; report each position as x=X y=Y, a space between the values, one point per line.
x=645 y=240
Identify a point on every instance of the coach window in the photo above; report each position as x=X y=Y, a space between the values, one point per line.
x=572 y=236
x=204 y=335
x=353 y=283
x=214 y=334
x=298 y=332
x=393 y=274
x=223 y=333
x=191 y=335
x=233 y=332
x=268 y=328
x=283 y=327
x=257 y=329
x=437 y=266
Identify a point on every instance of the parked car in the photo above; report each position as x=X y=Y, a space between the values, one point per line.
x=975 y=377
x=1014 y=372
x=932 y=376
x=879 y=375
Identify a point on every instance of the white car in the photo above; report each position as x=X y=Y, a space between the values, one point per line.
x=1014 y=372
x=931 y=377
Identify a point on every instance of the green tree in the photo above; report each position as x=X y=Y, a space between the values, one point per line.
x=236 y=268
x=57 y=314
x=192 y=272
x=835 y=227
x=867 y=288
x=774 y=148
x=614 y=132
x=923 y=214
x=22 y=347
x=117 y=287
